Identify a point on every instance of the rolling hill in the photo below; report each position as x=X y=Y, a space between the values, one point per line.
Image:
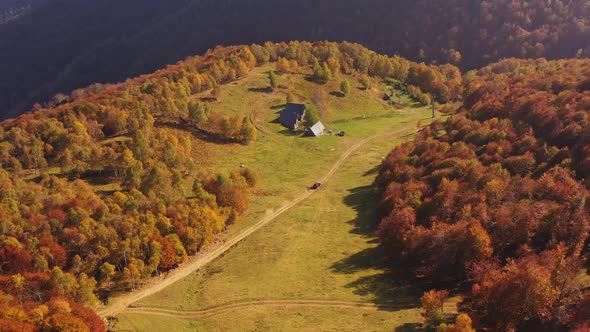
x=111 y=188
x=125 y=182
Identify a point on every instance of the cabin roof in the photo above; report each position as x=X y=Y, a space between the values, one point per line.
x=292 y=114
x=317 y=129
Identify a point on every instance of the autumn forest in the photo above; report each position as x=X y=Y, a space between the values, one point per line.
x=105 y=187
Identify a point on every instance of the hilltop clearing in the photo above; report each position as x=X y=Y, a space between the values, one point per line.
x=125 y=182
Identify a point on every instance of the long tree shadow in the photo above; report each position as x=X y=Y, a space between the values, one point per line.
x=410 y=327
x=292 y=133
x=390 y=288
x=262 y=90
x=279 y=107
x=373 y=171
x=365 y=201
x=199 y=133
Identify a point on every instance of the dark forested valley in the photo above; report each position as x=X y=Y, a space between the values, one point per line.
x=70 y=44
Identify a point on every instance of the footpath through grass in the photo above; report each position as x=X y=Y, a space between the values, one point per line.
x=322 y=249
x=287 y=162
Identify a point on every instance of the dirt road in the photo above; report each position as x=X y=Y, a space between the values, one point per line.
x=120 y=304
x=291 y=303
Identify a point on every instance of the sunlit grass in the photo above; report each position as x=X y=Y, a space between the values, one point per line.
x=323 y=248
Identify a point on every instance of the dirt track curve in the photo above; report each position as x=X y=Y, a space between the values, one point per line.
x=262 y=303
x=121 y=303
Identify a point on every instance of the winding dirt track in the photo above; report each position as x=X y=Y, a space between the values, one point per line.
x=283 y=304
x=120 y=304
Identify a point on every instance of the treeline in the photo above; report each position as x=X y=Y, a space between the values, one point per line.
x=73 y=133
x=67 y=47
x=66 y=238
x=496 y=196
x=61 y=241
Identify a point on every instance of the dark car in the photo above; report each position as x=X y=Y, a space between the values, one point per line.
x=341 y=134
x=315 y=186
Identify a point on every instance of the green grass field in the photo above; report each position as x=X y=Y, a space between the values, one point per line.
x=286 y=162
x=323 y=249
x=281 y=319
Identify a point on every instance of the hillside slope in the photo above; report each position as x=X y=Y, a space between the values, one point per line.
x=497 y=196
x=68 y=44
x=126 y=181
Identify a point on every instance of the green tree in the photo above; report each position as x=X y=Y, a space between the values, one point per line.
x=260 y=53
x=35 y=154
x=86 y=288
x=63 y=283
x=155 y=257
x=198 y=112
x=140 y=146
x=272 y=77
x=132 y=274
x=312 y=115
x=345 y=87
x=134 y=174
x=326 y=73
x=247 y=131
x=107 y=272
x=318 y=73
x=365 y=82
x=158 y=180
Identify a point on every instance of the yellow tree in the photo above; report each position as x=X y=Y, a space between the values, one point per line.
x=327 y=74
x=282 y=65
x=248 y=57
x=86 y=288
x=107 y=272
x=334 y=65
x=241 y=68
x=294 y=65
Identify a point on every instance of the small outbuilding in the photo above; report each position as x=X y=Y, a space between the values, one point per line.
x=293 y=115
x=317 y=129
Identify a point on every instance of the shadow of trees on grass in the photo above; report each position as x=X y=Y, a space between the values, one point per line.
x=410 y=327
x=390 y=288
x=365 y=201
x=267 y=89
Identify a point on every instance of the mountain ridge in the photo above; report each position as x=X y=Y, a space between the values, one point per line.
x=144 y=35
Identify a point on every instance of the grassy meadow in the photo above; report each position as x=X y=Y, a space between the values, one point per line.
x=322 y=249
